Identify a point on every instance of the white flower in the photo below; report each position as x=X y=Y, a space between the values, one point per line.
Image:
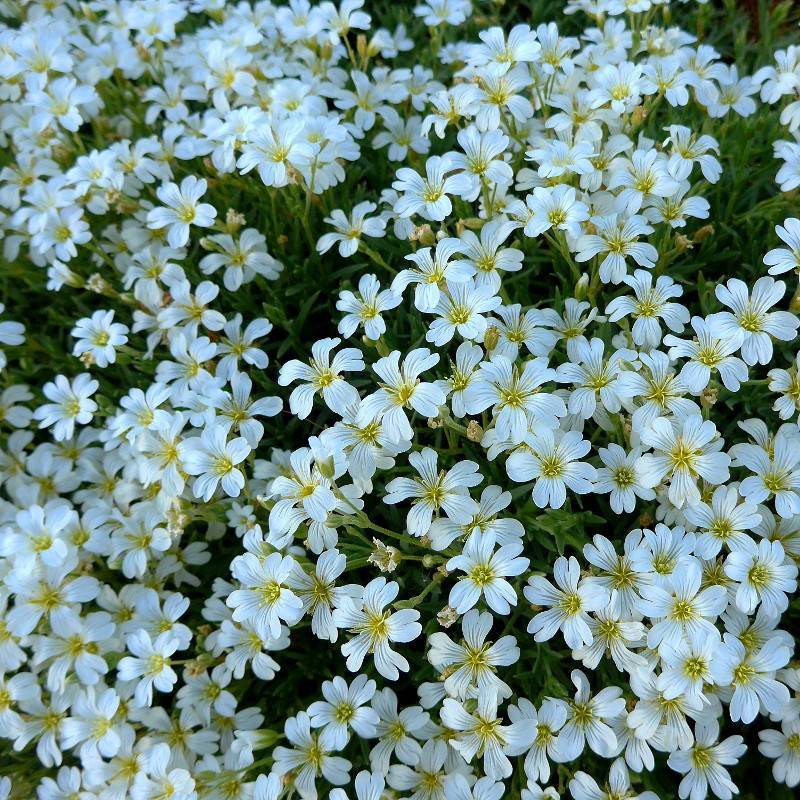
x=375 y=628
x=366 y=307
x=751 y=319
x=322 y=375
x=149 y=665
x=498 y=53
x=546 y=721
x=481 y=161
x=785 y=259
x=318 y=591
x=595 y=378
x=776 y=473
x=622 y=476
x=482 y=734
x=617 y=237
x=722 y=523
x=70 y=404
x=567 y=605
x=683 y=610
x=514 y=396
x=687 y=667
x=428 y=196
x=587 y=720
x=181 y=209
x=784 y=747
x=275 y=150
x=787 y=384
x=431 y=273
x=402 y=389
x=309 y=757
x=752 y=677
x=642 y=178
x=550 y=459
x=555 y=207
x=99 y=336
x=91 y=724
x=345 y=708
x=618 y=787
x=460 y=310
x=214 y=460
x=434 y=491
x=350 y=230
x=764 y=573
x=685 y=449
x=651 y=304
x=265 y=598
x=709 y=351
x=486 y=572
x=396 y=731
x=471 y=666
x=484 y=256
x=155 y=781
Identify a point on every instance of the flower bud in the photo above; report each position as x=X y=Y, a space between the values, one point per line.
x=582 y=286
x=701 y=234
x=474 y=431
x=491 y=338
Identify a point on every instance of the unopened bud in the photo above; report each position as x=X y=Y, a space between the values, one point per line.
x=646 y=520
x=470 y=223
x=683 y=243
x=638 y=116
x=423 y=234
x=326 y=467
x=701 y=234
x=474 y=431
x=361 y=47
x=794 y=305
x=428 y=561
x=491 y=338
x=282 y=240
x=582 y=286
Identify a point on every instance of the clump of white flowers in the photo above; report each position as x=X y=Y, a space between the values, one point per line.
x=383 y=421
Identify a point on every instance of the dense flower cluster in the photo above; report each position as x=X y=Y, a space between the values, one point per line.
x=168 y=555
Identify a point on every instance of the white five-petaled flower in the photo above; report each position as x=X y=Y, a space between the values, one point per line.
x=551 y=459
x=323 y=375
x=214 y=459
x=375 y=628
x=486 y=570
x=70 y=403
x=181 y=209
x=349 y=230
x=515 y=396
x=684 y=450
x=750 y=317
x=401 y=388
x=366 y=307
x=568 y=605
x=435 y=490
x=428 y=196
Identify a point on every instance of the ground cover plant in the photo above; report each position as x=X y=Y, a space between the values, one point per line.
x=399 y=401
